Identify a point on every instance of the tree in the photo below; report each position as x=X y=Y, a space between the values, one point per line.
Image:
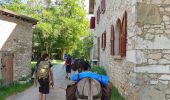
x=83 y=48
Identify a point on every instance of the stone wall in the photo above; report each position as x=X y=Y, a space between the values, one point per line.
x=144 y=74
x=19 y=42
x=152 y=49
x=119 y=69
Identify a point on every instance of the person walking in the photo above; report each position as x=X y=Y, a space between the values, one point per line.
x=44 y=74
x=68 y=64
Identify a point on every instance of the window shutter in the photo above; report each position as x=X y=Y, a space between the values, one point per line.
x=98 y=15
x=124 y=35
x=105 y=39
x=92 y=23
x=103 y=6
x=102 y=40
x=112 y=40
x=98 y=48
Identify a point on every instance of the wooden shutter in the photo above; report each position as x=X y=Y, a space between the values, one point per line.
x=98 y=15
x=124 y=35
x=92 y=23
x=103 y=6
x=112 y=40
x=98 y=49
x=104 y=39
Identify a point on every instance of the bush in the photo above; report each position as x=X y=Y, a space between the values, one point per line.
x=98 y=69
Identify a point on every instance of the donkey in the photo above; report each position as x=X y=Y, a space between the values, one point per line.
x=88 y=89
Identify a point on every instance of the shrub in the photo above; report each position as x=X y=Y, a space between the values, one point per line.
x=98 y=69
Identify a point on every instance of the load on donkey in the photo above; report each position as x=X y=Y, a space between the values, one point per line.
x=89 y=86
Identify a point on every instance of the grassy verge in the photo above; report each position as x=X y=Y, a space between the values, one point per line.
x=115 y=93
x=13 y=89
x=55 y=62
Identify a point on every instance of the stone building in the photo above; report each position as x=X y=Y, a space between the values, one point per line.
x=15 y=45
x=132 y=38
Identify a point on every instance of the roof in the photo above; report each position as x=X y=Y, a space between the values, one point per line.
x=18 y=16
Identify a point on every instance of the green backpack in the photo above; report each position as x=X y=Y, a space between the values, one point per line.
x=43 y=70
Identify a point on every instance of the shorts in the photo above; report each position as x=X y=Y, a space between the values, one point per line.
x=68 y=69
x=44 y=86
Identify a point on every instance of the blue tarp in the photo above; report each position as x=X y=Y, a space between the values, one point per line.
x=103 y=79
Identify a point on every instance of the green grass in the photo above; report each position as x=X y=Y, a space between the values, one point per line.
x=116 y=95
x=55 y=62
x=13 y=89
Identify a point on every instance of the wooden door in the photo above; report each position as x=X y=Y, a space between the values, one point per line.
x=7 y=67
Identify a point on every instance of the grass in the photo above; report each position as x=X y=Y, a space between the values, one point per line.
x=13 y=89
x=116 y=95
x=55 y=62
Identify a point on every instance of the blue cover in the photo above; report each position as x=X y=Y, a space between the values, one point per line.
x=103 y=79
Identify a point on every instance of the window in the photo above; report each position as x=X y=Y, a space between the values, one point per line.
x=117 y=38
x=98 y=48
x=104 y=34
x=92 y=23
x=102 y=41
x=103 y=6
x=123 y=36
x=112 y=40
x=98 y=15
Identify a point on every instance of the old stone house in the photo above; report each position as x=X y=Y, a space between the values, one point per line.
x=132 y=41
x=15 y=45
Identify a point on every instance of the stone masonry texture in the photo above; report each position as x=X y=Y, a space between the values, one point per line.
x=144 y=74
x=20 y=44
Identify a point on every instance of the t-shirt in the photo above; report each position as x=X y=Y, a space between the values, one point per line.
x=68 y=62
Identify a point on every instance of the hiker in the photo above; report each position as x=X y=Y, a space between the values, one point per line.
x=68 y=67
x=44 y=74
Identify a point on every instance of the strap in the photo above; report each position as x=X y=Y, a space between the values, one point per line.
x=86 y=97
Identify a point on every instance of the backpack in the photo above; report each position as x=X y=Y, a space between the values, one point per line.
x=71 y=92
x=43 y=70
x=88 y=89
x=106 y=92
